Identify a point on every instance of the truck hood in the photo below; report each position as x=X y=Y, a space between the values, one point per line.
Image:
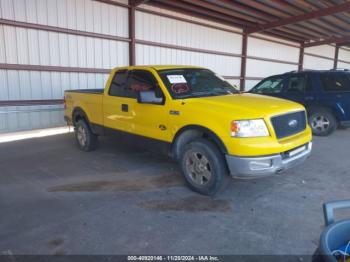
x=251 y=105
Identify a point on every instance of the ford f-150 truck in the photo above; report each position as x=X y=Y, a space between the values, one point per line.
x=209 y=127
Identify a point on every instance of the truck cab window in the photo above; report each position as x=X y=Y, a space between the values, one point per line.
x=129 y=83
x=118 y=84
x=141 y=80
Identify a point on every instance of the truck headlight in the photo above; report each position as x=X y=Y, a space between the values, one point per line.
x=249 y=128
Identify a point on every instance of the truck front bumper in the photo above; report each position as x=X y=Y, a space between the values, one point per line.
x=255 y=167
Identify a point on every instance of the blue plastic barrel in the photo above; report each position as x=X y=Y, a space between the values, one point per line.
x=336 y=234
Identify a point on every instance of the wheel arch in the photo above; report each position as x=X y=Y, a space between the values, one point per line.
x=331 y=109
x=78 y=114
x=188 y=133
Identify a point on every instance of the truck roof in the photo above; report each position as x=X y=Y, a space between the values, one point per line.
x=157 y=67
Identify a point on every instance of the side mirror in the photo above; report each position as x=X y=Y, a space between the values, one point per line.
x=149 y=97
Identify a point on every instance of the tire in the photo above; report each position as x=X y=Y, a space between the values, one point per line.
x=322 y=122
x=86 y=140
x=204 y=167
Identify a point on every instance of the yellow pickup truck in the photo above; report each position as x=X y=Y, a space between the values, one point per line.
x=209 y=127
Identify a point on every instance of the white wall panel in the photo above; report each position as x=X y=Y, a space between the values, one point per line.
x=84 y=15
x=311 y=62
x=192 y=18
x=259 y=68
x=42 y=11
x=249 y=84
x=37 y=47
x=344 y=65
x=4 y=92
x=33 y=46
x=24 y=85
x=22 y=46
x=170 y=31
x=234 y=82
x=2 y=45
x=267 y=49
x=34 y=85
x=223 y=65
x=7 y=9
x=324 y=50
x=10 y=43
x=27 y=85
x=344 y=55
x=31 y=11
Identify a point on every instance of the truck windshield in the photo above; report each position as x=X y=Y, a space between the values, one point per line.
x=190 y=82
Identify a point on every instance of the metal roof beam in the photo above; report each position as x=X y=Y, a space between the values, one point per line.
x=344 y=43
x=138 y=2
x=206 y=12
x=330 y=40
x=299 y=18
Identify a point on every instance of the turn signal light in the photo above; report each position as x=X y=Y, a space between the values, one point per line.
x=234 y=127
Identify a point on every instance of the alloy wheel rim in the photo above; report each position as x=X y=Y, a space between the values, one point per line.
x=81 y=135
x=199 y=168
x=320 y=123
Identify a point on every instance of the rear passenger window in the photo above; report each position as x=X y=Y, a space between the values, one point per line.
x=335 y=82
x=299 y=84
x=118 y=84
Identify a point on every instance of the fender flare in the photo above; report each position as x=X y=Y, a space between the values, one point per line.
x=78 y=113
x=190 y=132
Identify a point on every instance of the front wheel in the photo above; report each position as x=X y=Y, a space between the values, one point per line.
x=86 y=140
x=204 y=167
x=322 y=122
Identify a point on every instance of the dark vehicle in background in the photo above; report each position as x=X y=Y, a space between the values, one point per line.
x=324 y=93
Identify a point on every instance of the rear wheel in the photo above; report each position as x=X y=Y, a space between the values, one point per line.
x=204 y=167
x=86 y=140
x=322 y=122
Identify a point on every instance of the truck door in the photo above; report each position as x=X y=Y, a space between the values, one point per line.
x=123 y=112
x=148 y=120
x=299 y=89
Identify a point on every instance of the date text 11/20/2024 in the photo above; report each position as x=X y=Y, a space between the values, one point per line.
x=173 y=258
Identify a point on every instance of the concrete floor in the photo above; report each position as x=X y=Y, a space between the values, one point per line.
x=123 y=199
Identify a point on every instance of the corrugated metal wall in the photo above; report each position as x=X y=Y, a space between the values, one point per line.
x=319 y=57
x=344 y=57
x=25 y=46
x=86 y=38
x=169 y=37
x=269 y=58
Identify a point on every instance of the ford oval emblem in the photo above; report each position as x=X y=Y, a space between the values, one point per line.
x=293 y=123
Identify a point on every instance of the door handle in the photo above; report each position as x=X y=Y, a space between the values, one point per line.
x=125 y=107
x=309 y=98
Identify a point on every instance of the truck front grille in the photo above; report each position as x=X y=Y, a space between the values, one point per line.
x=289 y=124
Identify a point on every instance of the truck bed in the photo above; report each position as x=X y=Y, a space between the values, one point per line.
x=86 y=91
x=89 y=100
